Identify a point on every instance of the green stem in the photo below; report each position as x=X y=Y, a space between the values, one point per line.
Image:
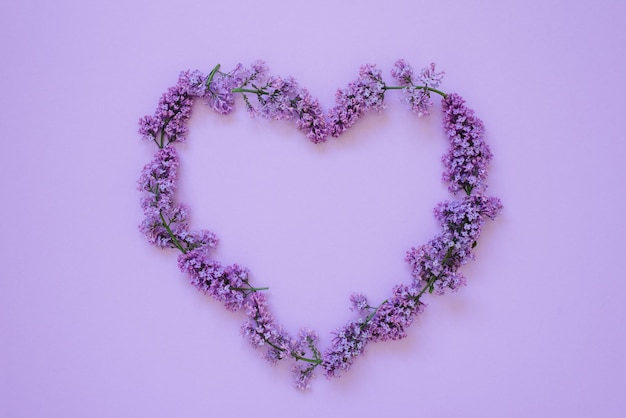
x=306 y=359
x=249 y=289
x=371 y=315
x=211 y=75
x=171 y=234
x=439 y=92
x=431 y=281
x=296 y=356
x=161 y=139
x=243 y=90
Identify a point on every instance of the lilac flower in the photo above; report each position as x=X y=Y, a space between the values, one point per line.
x=395 y=315
x=306 y=343
x=467 y=159
x=453 y=281
x=197 y=265
x=153 y=229
x=417 y=97
x=283 y=99
x=227 y=286
x=310 y=117
x=258 y=69
x=158 y=179
x=437 y=261
x=174 y=110
x=430 y=77
x=201 y=238
x=348 y=343
x=192 y=83
x=224 y=284
x=276 y=102
x=158 y=224
x=366 y=93
x=149 y=127
x=359 y=303
x=302 y=376
x=262 y=330
x=219 y=94
x=403 y=72
x=488 y=206
x=158 y=182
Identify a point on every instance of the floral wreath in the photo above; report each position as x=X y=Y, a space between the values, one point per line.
x=434 y=265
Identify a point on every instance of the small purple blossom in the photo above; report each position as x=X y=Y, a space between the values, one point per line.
x=467 y=159
x=262 y=330
x=304 y=372
x=149 y=127
x=359 y=302
x=453 y=281
x=302 y=376
x=156 y=224
x=225 y=284
x=219 y=95
x=200 y=238
x=402 y=72
x=258 y=69
x=348 y=343
x=305 y=343
x=174 y=109
x=418 y=99
x=364 y=94
x=158 y=180
x=166 y=223
x=276 y=101
x=192 y=83
x=310 y=117
x=440 y=258
x=430 y=77
x=281 y=98
x=417 y=96
x=396 y=314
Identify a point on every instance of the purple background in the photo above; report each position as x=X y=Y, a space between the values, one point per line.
x=94 y=322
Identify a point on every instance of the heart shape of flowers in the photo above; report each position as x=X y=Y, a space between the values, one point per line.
x=434 y=265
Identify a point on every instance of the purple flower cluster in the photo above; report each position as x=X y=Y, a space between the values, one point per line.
x=403 y=72
x=225 y=284
x=396 y=314
x=466 y=161
x=347 y=344
x=219 y=93
x=174 y=109
x=359 y=303
x=163 y=228
x=437 y=262
x=276 y=100
x=166 y=222
x=158 y=184
x=158 y=180
x=310 y=117
x=417 y=96
x=262 y=330
x=387 y=322
x=282 y=98
x=366 y=93
x=303 y=372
